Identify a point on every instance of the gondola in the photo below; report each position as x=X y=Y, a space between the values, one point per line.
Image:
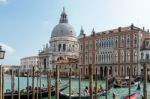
x=102 y=92
x=76 y=96
x=123 y=83
x=83 y=95
x=42 y=93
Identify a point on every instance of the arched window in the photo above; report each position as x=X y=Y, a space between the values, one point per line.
x=122 y=41
x=122 y=57
x=116 y=42
x=99 y=59
x=111 y=58
x=135 y=40
x=59 y=47
x=96 y=58
x=54 y=48
x=64 y=47
x=128 y=41
x=90 y=59
x=107 y=43
x=100 y=45
x=102 y=58
x=128 y=57
x=97 y=44
x=112 y=42
x=135 y=56
x=116 y=56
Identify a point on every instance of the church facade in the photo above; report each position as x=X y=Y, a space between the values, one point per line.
x=62 y=47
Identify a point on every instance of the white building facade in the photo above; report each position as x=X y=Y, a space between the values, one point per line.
x=28 y=62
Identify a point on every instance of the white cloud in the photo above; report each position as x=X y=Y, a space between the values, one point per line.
x=7 y=48
x=11 y=57
x=3 y=1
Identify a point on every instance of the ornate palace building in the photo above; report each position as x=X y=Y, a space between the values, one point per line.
x=118 y=49
x=62 y=47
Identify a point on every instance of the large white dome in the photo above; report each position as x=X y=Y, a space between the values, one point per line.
x=63 y=29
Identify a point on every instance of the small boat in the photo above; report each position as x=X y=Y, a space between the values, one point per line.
x=123 y=83
x=132 y=96
x=135 y=95
x=43 y=93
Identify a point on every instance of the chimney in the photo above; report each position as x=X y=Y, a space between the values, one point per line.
x=143 y=28
x=119 y=29
x=132 y=26
x=148 y=30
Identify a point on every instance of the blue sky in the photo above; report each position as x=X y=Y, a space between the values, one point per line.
x=26 y=25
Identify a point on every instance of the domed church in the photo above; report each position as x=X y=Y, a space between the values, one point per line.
x=62 y=48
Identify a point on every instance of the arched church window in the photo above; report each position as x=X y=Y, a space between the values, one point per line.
x=59 y=47
x=64 y=47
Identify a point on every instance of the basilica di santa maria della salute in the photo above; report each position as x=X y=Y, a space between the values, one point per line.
x=62 y=48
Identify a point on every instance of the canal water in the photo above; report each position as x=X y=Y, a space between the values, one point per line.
x=119 y=91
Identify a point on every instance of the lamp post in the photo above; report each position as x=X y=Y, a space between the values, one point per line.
x=2 y=53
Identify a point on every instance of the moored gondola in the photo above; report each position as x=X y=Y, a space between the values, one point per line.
x=43 y=92
x=124 y=83
x=83 y=95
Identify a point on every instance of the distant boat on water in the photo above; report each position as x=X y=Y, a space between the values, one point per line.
x=132 y=96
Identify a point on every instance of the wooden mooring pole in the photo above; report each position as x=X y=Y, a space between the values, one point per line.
x=145 y=81
x=40 y=85
x=57 y=82
x=18 y=84
x=70 y=72
x=37 y=85
x=79 y=83
x=106 y=83
x=129 y=82
x=12 y=84
x=49 y=84
x=33 y=89
x=2 y=82
x=96 y=88
x=27 y=85
x=91 y=80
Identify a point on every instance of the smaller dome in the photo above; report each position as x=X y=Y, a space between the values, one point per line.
x=63 y=30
